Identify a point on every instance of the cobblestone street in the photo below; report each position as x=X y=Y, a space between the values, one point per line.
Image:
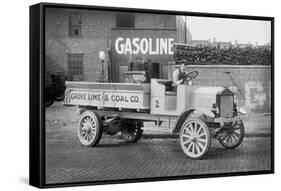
x=152 y=156
x=67 y=161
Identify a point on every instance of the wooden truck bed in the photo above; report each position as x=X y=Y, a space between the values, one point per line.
x=108 y=95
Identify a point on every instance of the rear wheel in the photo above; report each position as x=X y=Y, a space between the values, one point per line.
x=48 y=102
x=159 y=123
x=233 y=135
x=59 y=97
x=131 y=132
x=195 y=138
x=89 y=129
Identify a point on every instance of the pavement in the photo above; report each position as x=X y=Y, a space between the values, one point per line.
x=156 y=154
x=68 y=161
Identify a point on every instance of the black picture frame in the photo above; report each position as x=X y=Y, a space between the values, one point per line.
x=37 y=82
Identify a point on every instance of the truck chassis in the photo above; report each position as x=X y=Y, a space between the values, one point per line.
x=195 y=129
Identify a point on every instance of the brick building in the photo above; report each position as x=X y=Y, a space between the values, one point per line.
x=75 y=38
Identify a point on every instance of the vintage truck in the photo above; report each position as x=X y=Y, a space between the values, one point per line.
x=194 y=112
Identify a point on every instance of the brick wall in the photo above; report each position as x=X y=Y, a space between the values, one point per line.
x=96 y=36
x=154 y=21
x=96 y=32
x=254 y=83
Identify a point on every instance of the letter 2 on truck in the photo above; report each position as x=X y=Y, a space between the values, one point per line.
x=196 y=113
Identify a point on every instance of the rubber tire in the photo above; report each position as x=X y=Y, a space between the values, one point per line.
x=98 y=134
x=125 y=127
x=160 y=123
x=238 y=143
x=208 y=136
x=48 y=103
x=59 y=98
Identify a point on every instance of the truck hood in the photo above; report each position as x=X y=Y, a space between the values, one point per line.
x=204 y=97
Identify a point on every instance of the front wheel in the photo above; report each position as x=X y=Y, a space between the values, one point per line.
x=89 y=129
x=195 y=138
x=233 y=135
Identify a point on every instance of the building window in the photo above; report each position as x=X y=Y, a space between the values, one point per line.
x=75 y=66
x=75 y=24
x=125 y=20
x=169 y=21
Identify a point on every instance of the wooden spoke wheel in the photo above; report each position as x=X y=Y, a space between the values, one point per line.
x=48 y=102
x=131 y=132
x=59 y=97
x=233 y=135
x=89 y=129
x=195 y=138
x=160 y=123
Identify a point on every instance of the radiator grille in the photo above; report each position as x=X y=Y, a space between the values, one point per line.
x=226 y=106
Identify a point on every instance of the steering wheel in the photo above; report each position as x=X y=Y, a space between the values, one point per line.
x=191 y=75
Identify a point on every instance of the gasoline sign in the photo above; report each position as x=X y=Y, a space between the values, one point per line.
x=151 y=46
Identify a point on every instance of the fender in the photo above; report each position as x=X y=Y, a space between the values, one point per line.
x=242 y=111
x=207 y=114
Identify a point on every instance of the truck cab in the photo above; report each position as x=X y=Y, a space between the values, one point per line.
x=165 y=101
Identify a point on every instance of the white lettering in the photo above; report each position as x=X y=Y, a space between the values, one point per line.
x=144 y=46
x=128 y=46
x=170 y=44
x=151 y=48
x=119 y=51
x=157 y=46
x=163 y=46
x=136 y=45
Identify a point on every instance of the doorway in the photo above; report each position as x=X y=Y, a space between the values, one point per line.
x=155 y=70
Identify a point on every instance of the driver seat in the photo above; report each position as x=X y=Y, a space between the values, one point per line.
x=169 y=87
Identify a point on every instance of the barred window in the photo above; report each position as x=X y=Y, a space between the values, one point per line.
x=75 y=24
x=125 y=20
x=75 y=64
